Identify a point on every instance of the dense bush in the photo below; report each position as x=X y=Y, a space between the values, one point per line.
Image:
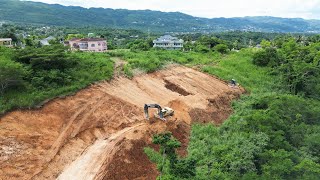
x=272 y=134
x=221 y=48
x=11 y=73
x=268 y=57
x=297 y=65
x=269 y=136
x=170 y=165
x=46 y=58
x=46 y=72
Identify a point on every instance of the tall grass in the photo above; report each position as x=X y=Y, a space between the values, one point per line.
x=150 y=61
x=239 y=66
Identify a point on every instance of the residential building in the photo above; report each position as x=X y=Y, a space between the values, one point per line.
x=88 y=44
x=45 y=42
x=258 y=46
x=6 y=42
x=168 y=42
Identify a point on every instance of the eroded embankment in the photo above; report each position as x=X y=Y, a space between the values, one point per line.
x=100 y=132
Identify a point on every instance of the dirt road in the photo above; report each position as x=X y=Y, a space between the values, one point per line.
x=100 y=132
x=90 y=162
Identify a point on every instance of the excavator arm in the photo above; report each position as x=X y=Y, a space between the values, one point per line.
x=146 y=110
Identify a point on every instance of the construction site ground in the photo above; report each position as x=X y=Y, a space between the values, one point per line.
x=100 y=132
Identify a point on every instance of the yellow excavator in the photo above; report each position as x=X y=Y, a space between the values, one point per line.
x=161 y=112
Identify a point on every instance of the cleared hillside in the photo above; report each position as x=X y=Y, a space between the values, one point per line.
x=101 y=131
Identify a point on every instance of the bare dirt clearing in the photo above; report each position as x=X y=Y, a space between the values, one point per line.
x=100 y=132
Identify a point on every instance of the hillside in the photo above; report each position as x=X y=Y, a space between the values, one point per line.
x=101 y=130
x=272 y=132
x=45 y=14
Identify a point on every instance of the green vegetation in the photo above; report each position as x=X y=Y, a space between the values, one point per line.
x=273 y=134
x=57 y=15
x=150 y=61
x=297 y=64
x=32 y=75
x=169 y=165
x=274 y=131
x=268 y=135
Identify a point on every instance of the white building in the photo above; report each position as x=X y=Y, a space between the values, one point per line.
x=45 y=42
x=6 y=42
x=168 y=42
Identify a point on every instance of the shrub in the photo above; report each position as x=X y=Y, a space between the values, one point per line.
x=11 y=74
x=221 y=48
x=268 y=57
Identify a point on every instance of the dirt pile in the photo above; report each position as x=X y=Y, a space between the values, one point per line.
x=100 y=132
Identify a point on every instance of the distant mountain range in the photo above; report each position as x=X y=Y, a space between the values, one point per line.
x=45 y=14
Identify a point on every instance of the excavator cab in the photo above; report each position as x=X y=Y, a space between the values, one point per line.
x=161 y=112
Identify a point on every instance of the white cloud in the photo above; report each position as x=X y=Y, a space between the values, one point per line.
x=309 y=9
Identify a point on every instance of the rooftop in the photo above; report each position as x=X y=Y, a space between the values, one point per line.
x=87 y=39
x=167 y=39
x=5 y=39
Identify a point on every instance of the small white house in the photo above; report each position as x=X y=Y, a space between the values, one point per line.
x=7 y=42
x=45 y=42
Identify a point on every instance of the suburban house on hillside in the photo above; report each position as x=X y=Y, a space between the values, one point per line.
x=45 y=42
x=168 y=42
x=6 y=42
x=88 y=44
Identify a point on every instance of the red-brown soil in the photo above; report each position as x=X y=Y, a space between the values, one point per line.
x=100 y=132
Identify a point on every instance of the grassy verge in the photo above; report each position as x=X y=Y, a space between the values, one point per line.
x=149 y=61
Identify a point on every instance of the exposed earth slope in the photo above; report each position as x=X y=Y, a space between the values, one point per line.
x=100 y=132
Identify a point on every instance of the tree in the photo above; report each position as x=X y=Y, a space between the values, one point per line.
x=180 y=168
x=188 y=46
x=10 y=33
x=279 y=164
x=301 y=71
x=141 y=45
x=221 y=48
x=265 y=44
x=50 y=65
x=167 y=146
x=268 y=57
x=71 y=36
x=201 y=48
x=30 y=41
x=11 y=74
x=307 y=169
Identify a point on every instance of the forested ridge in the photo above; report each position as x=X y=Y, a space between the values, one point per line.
x=27 y=12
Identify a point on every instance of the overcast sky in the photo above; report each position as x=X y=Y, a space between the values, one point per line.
x=308 y=9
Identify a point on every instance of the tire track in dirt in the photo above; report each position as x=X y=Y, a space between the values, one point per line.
x=91 y=161
x=74 y=125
